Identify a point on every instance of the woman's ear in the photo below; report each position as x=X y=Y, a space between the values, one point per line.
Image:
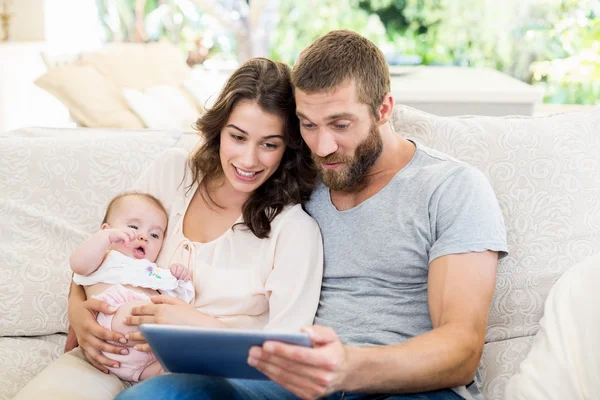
x=104 y=226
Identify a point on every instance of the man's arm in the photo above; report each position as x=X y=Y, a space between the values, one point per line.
x=460 y=290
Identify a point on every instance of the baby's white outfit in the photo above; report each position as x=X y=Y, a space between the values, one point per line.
x=118 y=268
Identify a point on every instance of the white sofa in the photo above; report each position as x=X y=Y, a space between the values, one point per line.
x=54 y=185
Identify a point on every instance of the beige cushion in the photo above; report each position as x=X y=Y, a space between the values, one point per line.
x=54 y=191
x=23 y=358
x=163 y=107
x=205 y=87
x=91 y=98
x=139 y=66
x=545 y=174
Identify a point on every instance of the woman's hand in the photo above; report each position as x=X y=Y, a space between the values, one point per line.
x=71 y=341
x=91 y=336
x=167 y=310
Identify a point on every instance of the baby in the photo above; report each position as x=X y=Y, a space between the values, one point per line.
x=116 y=265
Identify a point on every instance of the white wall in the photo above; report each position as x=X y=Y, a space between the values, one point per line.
x=21 y=102
x=72 y=25
x=51 y=26
x=61 y=24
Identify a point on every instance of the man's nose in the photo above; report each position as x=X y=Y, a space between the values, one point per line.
x=326 y=144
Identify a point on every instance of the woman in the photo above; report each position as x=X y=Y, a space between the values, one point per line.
x=235 y=219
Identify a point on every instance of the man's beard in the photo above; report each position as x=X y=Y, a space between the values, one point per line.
x=350 y=176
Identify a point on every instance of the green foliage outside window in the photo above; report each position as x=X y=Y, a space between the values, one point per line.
x=305 y=21
x=554 y=43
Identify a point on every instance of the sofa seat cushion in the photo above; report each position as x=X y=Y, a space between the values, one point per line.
x=22 y=358
x=499 y=362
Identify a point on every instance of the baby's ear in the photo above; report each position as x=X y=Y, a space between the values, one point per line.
x=104 y=226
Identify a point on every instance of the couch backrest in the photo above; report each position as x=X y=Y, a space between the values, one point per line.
x=546 y=175
x=54 y=186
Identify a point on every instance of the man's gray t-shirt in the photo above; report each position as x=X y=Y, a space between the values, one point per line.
x=377 y=254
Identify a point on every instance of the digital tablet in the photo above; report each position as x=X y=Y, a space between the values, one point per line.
x=212 y=352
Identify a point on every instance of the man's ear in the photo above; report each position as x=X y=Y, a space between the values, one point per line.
x=104 y=226
x=386 y=108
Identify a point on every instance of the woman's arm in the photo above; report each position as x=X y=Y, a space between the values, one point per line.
x=295 y=282
x=90 y=335
x=75 y=295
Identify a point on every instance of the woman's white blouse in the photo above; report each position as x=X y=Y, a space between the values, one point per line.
x=244 y=281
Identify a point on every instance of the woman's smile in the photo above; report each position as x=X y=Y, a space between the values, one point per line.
x=246 y=176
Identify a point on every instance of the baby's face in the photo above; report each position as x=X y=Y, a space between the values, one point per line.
x=149 y=221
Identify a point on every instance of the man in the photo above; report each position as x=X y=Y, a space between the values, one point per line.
x=411 y=241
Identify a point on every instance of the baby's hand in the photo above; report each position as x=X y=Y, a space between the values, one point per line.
x=179 y=271
x=123 y=236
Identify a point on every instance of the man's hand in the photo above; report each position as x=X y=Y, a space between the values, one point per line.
x=92 y=337
x=123 y=236
x=180 y=272
x=309 y=373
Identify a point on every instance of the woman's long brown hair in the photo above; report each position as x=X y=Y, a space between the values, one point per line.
x=267 y=83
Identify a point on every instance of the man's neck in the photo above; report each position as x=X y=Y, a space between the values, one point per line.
x=396 y=154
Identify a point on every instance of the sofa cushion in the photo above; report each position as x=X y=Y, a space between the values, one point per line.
x=54 y=191
x=163 y=107
x=92 y=99
x=140 y=66
x=205 y=87
x=22 y=358
x=499 y=362
x=187 y=140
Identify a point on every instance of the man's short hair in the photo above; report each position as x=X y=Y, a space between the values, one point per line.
x=339 y=57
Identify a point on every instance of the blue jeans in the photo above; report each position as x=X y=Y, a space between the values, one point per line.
x=198 y=387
